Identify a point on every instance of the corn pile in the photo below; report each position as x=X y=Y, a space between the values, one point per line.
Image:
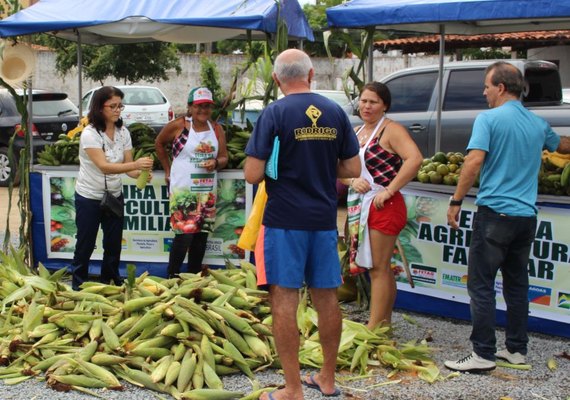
x=175 y=336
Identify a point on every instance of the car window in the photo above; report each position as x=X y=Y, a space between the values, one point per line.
x=465 y=91
x=7 y=106
x=338 y=97
x=412 y=92
x=85 y=102
x=48 y=108
x=142 y=96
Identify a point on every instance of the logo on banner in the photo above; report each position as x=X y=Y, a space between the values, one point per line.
x=563 y=300
x=539 y=295
x=452 y=278
x=424 y=273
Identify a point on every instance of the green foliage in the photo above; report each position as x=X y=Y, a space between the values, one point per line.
x=316 y=16
x=485 y=54
x=9 y=7
x=210 y=78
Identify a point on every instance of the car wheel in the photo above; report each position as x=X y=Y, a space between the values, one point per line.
x=7 y=171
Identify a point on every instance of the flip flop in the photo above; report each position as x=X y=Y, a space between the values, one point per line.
x=312 y=383
x=270 y=395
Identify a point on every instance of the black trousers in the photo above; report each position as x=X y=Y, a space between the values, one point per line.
x=88 y=219
x=193 y=244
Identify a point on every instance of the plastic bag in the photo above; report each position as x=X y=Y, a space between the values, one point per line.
x=273 y=161
x=250 y=231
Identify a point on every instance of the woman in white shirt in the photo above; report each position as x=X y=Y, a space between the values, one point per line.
x=105 y=152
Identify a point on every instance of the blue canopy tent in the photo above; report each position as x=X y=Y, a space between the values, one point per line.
x=461 y=17
x=135 y=21
x=465 y=17
x=178 y=21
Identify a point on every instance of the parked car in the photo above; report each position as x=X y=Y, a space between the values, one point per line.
x=146 y=104
x=254 y=107
x=53 y=114
x=414 y=100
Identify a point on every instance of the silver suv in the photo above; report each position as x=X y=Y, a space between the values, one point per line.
x=53 y=114
x=414 y=100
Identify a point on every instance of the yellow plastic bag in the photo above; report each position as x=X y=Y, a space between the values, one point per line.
x=250 y=231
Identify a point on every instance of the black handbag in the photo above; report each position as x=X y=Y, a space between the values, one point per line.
x=110 y=204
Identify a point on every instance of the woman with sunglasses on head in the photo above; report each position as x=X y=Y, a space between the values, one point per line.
x=105 y=152
x=198 y=147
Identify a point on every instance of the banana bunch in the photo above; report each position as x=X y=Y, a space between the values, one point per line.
x=177 y=336
x=143 y=137
x=64 y=151
x=554 y=176
x=236 y=147
x=555 y=160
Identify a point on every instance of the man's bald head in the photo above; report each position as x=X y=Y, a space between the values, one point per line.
x=292 y=65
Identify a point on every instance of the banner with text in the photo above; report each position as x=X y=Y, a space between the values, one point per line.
x=437 y=255
x=147 y=235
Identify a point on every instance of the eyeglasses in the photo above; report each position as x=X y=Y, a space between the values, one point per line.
x=115 y=107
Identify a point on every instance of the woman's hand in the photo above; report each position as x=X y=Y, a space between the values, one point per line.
x=210 y=165
x=360 y=185
x=144 y=163
x=380 y=198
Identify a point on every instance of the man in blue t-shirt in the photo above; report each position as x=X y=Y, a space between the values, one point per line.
x=505 y=147
x=298 y=240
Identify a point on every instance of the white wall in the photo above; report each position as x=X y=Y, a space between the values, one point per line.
x=328 y=74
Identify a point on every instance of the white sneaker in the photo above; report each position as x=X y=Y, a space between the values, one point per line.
x=513 y=358
x=471 y=363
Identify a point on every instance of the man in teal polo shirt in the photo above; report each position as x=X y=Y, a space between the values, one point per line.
x=505 y=147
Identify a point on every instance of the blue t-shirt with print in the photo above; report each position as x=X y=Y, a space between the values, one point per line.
x=314 y=134
x=513 y=138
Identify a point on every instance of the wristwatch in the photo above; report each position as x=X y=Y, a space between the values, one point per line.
x=453 y=202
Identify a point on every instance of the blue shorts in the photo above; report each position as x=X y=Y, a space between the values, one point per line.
x=290 y=258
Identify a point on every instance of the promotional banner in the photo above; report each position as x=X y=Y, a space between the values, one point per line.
x=147 y=235
x=438 y=255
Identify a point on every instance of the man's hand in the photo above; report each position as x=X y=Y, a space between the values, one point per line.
x=453 y=216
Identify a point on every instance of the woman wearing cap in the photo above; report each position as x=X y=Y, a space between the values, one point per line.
x=199 y=150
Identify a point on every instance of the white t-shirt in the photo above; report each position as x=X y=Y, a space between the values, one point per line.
x=91 y=181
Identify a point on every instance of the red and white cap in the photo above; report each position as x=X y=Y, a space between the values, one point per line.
x=200 y=95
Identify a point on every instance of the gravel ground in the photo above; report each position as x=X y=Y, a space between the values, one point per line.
x=450 y=341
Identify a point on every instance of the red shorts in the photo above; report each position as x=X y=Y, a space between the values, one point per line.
x=390 y=219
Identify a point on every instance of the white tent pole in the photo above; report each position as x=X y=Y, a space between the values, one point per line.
x=80 y=71
x=440 y=88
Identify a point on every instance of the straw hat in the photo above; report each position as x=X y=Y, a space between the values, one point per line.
x=17 y=63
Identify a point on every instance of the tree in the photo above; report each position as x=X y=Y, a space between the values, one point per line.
x=126 y=62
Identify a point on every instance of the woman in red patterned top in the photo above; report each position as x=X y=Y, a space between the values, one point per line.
x=390 y=159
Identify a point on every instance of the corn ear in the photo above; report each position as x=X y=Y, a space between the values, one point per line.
x=172 y=373
x=552 y=364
